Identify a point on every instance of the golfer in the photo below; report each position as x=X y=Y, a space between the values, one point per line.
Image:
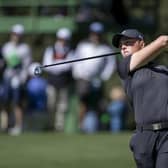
x=146 y=85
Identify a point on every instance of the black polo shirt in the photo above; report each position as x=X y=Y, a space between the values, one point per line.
x=147 y=90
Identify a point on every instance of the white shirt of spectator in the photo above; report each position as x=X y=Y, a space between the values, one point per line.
x=90 y=69
x=49 y=59
x=23 y=52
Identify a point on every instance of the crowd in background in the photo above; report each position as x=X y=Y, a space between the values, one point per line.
x=30 y=102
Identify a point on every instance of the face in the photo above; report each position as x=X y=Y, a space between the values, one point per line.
x=15 y=37
x=128 y=46
x=94 y=37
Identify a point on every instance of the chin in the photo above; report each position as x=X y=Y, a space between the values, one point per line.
x=126 y=55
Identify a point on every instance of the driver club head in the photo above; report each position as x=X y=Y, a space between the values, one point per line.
x=38 y=71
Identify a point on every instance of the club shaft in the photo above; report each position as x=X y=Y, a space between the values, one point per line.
x=81 y=59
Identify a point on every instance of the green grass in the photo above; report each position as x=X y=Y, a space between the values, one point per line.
x=56 y=150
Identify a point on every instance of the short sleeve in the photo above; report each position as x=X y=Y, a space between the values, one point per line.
x=123 y=67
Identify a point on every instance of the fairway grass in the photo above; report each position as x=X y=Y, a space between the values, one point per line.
x=57 y=150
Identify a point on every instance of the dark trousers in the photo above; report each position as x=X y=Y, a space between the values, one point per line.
x=150 y=148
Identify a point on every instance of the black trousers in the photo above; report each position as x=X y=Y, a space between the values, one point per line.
x=150 y=148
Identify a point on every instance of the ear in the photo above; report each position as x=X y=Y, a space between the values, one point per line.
x=142 y=44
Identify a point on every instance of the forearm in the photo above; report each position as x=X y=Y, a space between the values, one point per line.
x=149 y=52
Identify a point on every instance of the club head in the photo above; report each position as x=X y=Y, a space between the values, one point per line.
x=38 y=71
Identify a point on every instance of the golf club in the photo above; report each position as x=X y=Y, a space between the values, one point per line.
x=38 y=69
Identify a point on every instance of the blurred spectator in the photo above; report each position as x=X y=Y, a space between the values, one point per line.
x=90 y=122
x=36 y=93
x=85 y=12
x=17 y=55
x=59 y=77
x=3 y=114
x=117 y=109
x=91 y=74
x=93 y=10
